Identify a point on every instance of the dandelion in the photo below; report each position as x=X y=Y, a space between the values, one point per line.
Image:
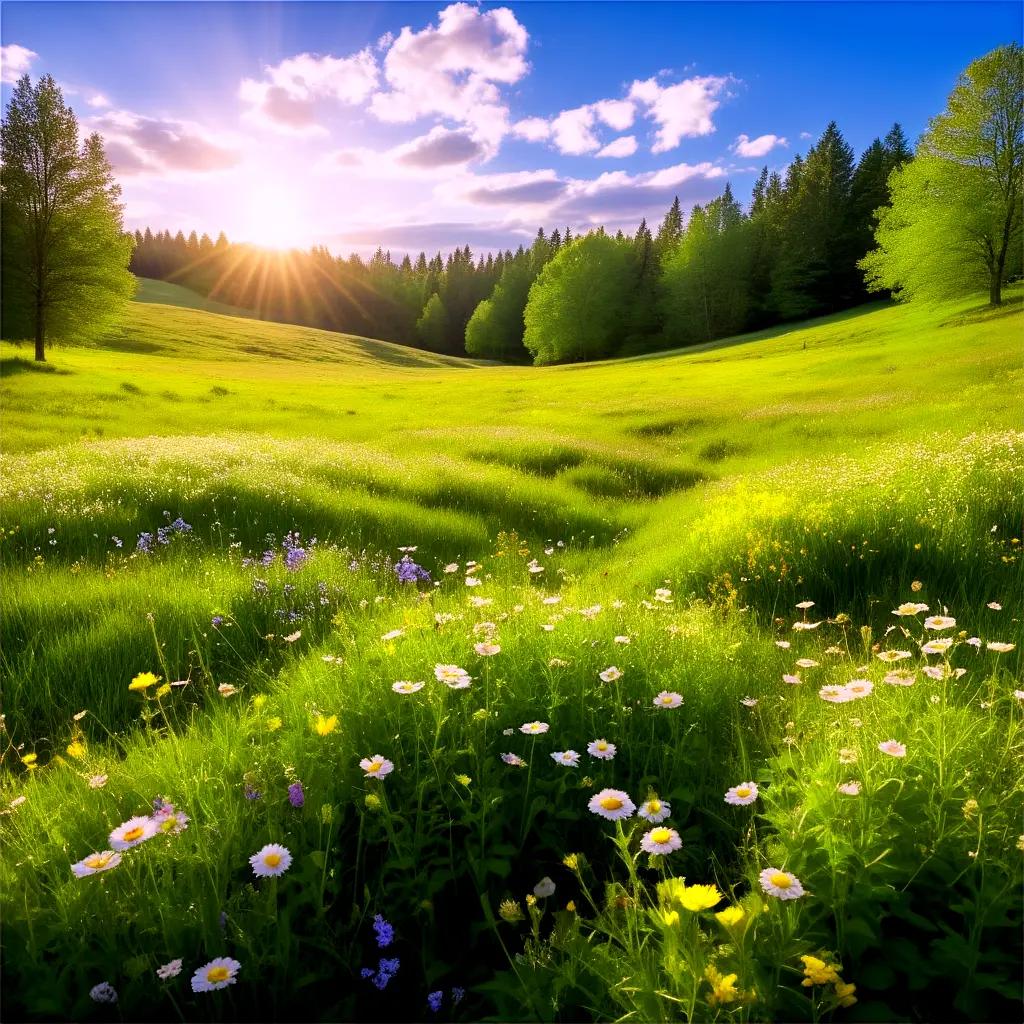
x=999 y=647
x=377 y=766
x=271 y=861
x=910 y=608
x=849 y=788
x=132 y=832
x=743 y=794
x=169 y=970
x=103 y=993
x=893 y=748
x=610 y=674
x=143 y=681
x=696 y=898
x=76 y=748
x=601 y=749
x=544 y=888
x=661 y=841
x=405 y=686
x=781 y=884
x=95 y=863
x=514 y=760
x=487 y=649
x=730 y=916
x=325 y=726
x=453 y=676
x=218 y=973
x=612 y=804
x=668 y=699
x=568 y=758
x=654 y=810
x=572 y=861
x=534 y=728
x=939 y=622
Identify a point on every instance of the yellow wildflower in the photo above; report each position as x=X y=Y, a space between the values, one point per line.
x=274 y=723
x=324 y=726
x=571 y=906
x=730 y=916
x=510 y=911
x=723 y=986
x=464 y=779
x=259 y=700
x=163 y=690
x=844 y=992
x=572 y=861
x=143 y=681
x=531 y=900
x=76 y=748
x=29 y=761
x=818 y=972
x=700 y=897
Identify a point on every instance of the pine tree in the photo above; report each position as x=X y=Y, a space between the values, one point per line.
x=671 y=231
x=65 y=252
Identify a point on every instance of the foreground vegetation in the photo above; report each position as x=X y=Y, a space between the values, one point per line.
x=236 y=508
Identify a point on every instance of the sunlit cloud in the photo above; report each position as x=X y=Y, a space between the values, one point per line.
x=15 y=61
x=97 y=100
x=623 y=146
x=748 y=147
x=682 y=110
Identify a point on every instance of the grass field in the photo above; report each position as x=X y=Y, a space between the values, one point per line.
x=166 y=294
x=664 y=516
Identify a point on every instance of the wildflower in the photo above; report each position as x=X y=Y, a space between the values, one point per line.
x=275 y=722
x=934 y=671
x=893 y=748
x=1019 y=694
x=218 y=973
x=723 y=986
x=807 y=663
x=169 y=821
x=835 y=694
x=668 y=699
x=818 y=972
x=974 y=642
x=534 y=728
x=544 y=888
x=408 y=571
x=805 y=626
x=663 y=595
x=741 y=795
x=844 y=993
x=859 y=688
x=132 y=832
x=612 y=804
x=453 y=676
x=610 y=674
x=849 y=788
x=781 y=884
x=393 y=634
x=892 y=655
x=793 y=679
x=999 y=647
x=434 y=1000
x=458 y=994
x=572 y=861
x=404 y=686
x=103 y=993
x=376 y=766
x=970 y=808
x=621 y=640
x=296 y=795
x=451 y=567
x=227 y=690
x=325 y=726
x=143 y=681
x=383 y=932
x=601 y=749
x=169 y=970
x=271 y=861
x=513 y=759
x=783 y=644
x=939 y=622
x=95 y=863
x=916 y=587
x=749 y=702
x=937 y=646
x=18 y=801
x=910 y=608
x=730 y=916
x=510 y=911
x=463 y=780
x=568 y=758
x=481 y=602
x=654 y=810
x=487 y=650
x=660 y=841
x=900 y=678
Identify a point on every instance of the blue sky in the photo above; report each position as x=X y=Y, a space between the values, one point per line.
x=428 y=125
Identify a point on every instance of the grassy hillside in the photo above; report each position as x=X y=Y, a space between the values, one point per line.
x=663 y=516
x=166 y=294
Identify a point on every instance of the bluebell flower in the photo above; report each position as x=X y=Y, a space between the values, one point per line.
x=180 y=526
x=252 y=793
x=216 y=621
x=386 y=970
x=408 y=571
x=434 y=1000
x=296 y=797
x=163 y=535
x=145 y=544
x=384 y=932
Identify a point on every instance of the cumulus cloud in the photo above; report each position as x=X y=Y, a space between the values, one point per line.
x=137 y=144
x=454 y=69
x=439 y=148
x=287 y=96
x=98 y=100
x=746 y=146
x=533 y=129
x=572 y=131
x=519 y=188
x=617 y=114
x=682 y=110
x=623 y=146
x=15 y=61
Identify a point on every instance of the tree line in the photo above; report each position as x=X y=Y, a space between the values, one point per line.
x=820 y=237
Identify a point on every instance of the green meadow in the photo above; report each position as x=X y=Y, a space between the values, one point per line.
x=733 y=525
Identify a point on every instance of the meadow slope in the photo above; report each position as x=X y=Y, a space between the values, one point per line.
x=223 y=502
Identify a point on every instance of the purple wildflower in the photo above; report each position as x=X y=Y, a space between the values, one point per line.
x=296 y=796
x=145 y=543
x=457 y=995
x=163 y=535
x=434 y=1000
x=117 y=542
x=217 y=621
x=385 y=932
x=252 y=793
x=386 y=970
x=180 y=526
x=408 y=571
x=267 y=557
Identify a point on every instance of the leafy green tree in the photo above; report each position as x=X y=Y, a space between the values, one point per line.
x=577 y=305
x=954 y=226
x=433 y=326
x=65 y=252
x=495 y=330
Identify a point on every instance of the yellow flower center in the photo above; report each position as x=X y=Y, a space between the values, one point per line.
x=611 y=803
x=743 y=791
x=132 y=834
x=97 y=860
x=375 y=767
x=602 y=745
x=168 y=824
x=653 y=806
x=666 y=700
x=781 y=880
x=661 y=835
x=216 y=974
x=272 y=860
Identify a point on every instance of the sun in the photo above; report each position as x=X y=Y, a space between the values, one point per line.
x=271 y=215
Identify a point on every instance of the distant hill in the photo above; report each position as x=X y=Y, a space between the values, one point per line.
x=167 y=294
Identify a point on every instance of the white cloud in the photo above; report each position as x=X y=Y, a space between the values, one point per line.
x=533 y=129
x=748 y=147
x=617 y=114
x=15 y=61
x=806 y=135
x=572 y=131
x=518 y=188
x=623 y=146
x=286 y=97
x=97 y=99
x=682 y=110
x=454 y=69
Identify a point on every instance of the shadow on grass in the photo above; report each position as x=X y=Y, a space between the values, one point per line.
x=15 y=364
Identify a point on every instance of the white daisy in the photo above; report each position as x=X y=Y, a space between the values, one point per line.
x=271 y=861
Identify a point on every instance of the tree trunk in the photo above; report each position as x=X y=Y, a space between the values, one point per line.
x=40 y=333
x=995 y=288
